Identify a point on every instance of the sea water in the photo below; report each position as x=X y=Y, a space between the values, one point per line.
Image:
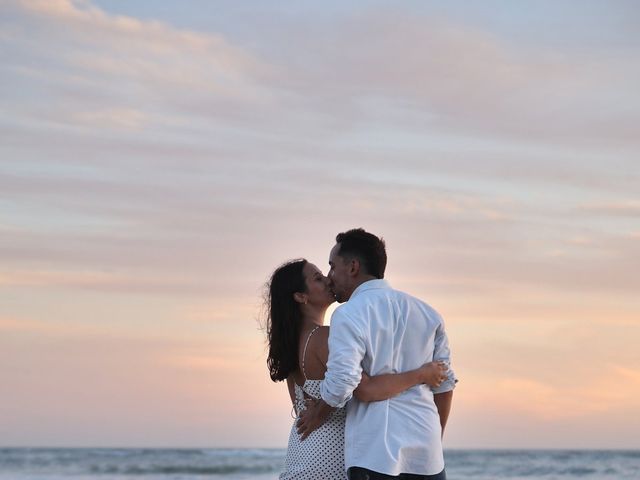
x=265 y=464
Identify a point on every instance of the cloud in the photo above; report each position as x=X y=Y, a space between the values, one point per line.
x=81 y=18
x=127 y=118
x=95 y=280
x=452 y=77
x=138 y=66
x=630 y=208
x=163 y=231
x=14 y=324
x=378 y=66
x=130 y=388
x=608 y=390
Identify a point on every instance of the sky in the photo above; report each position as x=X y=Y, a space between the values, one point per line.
x=158 y=160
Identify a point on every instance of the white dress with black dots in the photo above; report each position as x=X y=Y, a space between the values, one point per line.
x=321 y=455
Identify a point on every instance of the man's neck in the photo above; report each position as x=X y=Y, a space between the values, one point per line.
x=360 y=280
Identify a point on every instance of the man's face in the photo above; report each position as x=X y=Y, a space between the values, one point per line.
x=338 y=275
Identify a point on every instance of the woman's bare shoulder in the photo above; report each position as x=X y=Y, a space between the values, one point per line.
x=323 y=331
x=319 y=339
x=317 y=353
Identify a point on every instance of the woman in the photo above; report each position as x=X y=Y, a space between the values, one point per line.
x=298 y=298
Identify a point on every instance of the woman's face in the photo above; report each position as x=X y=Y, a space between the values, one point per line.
x=318 y=291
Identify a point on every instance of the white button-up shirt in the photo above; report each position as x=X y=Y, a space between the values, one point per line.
x=381 y=330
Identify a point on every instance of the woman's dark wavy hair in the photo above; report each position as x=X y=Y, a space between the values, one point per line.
x=284 y=318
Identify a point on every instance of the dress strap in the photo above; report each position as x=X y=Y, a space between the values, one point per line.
x=304 y=353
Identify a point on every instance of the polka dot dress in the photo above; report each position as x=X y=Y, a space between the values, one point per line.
x=321 y=455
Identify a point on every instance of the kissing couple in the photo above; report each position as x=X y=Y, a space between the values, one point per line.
x=372 y=394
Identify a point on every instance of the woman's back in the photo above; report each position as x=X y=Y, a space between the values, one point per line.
x=321 y=455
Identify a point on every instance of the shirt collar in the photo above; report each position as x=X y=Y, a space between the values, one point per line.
x=370 y=285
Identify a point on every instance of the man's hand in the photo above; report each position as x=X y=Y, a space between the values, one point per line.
x=433 y=373
x=312 y=417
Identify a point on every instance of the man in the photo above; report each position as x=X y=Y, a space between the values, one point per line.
x=381 y=330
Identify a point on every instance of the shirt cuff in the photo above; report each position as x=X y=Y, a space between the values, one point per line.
x=446 y=386
x=337 y=401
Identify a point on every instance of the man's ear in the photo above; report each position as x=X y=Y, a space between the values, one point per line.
x=354 y=267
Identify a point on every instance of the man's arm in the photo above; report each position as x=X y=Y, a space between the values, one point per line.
x=443 y=395
x=441 y=352
x=443 y=403
x=344 y=371
x=344 y=366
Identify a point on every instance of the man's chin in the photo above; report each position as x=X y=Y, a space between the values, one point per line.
x=338 y=297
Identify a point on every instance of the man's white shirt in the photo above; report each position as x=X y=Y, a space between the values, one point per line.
x=382 y=330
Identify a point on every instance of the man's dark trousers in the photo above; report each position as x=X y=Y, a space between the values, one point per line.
x=359 y=473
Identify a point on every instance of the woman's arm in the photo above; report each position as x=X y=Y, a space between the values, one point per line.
x=382 y=387
x=291 y=388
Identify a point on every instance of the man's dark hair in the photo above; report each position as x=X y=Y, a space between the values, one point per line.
x=366 y=247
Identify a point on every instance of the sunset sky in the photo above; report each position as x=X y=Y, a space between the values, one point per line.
x=159 y=159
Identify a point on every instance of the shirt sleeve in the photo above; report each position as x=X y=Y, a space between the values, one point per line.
x=442 y=353
x=344 y=367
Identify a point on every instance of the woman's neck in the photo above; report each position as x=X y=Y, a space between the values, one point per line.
x=313 y=319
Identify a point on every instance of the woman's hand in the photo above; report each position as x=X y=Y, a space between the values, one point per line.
x=312 y=417
x=433 y=373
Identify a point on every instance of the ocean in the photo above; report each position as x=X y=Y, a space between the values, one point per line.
x=265 y=464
